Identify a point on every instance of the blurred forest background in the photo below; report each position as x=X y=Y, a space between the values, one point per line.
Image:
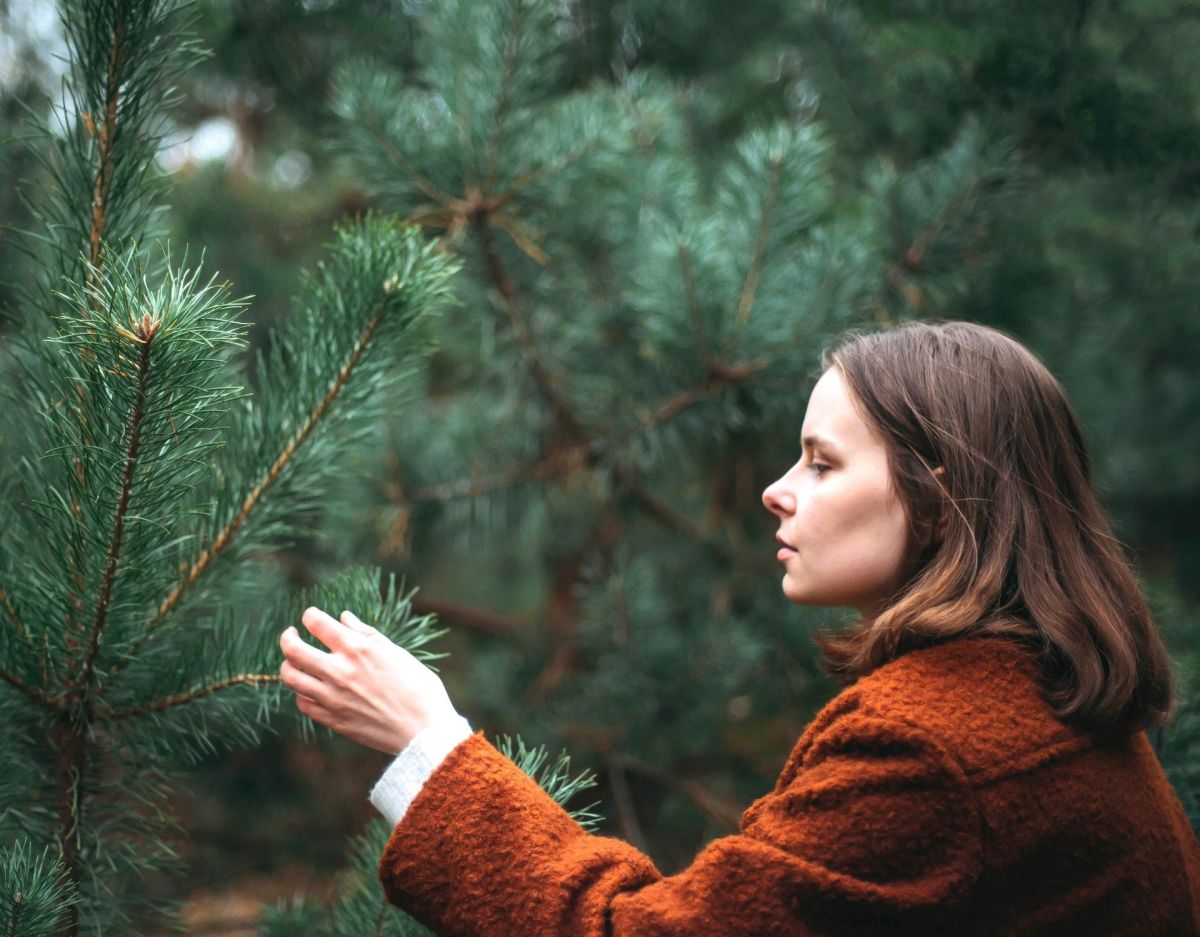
x=1031 y=166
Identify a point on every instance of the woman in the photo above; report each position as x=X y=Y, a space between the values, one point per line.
x=984 y=771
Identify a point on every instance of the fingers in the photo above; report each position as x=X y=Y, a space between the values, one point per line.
x=305 y=685
x=325 y=628
x=305 y=657
x=354 y=623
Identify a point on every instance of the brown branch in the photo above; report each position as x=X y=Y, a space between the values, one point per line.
x=724 y=812
x=508 y=69
x=760 y=244
x=576 y=456
x=674 y=520
x=17 y=624
x=71 y=745
x=482 y=620
x=69 y=730
x=168 y=702
x=561 y=459
x=627 y=819
x=508 y=294
x=914 y=255
x=223 y=539
x=525 y=178
x=146 y=331
x=396 y=156
x=99 y=222
x=693 y=302
x=718 y=376
x=107 y=133
x=35 y=693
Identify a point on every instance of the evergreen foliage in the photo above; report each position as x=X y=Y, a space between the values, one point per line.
x=650 y=269
x=33 y=893
x=147 y=479
x=643 y=315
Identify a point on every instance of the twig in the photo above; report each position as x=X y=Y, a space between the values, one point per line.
x=168 y=702
x=18 y=625
x=146 y=331
x=424 y=185
x=684 y=257
x=107 y=132
x=631 y=829
x=223 y=539
x=722 y=811
x=482 y=620
x=760 y=244
x=33 y=692
x=508 y=293
x=579 y=455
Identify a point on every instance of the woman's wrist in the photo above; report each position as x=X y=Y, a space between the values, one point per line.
x=411 y=768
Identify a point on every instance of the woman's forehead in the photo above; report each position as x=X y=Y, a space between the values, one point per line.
x=832 y=423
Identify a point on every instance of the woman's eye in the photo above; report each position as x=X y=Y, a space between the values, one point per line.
x=820 y=467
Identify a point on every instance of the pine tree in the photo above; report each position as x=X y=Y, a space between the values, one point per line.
x=145 y=482
x=628 y=368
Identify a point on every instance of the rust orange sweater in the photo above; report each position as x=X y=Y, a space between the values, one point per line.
x=938 y=795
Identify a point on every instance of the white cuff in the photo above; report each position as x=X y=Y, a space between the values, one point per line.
x=409 y=771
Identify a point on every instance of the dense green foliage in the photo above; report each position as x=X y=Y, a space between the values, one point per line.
x=661 y=211
x=142 y=480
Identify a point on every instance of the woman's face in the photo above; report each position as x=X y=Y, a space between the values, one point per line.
x=846 y=530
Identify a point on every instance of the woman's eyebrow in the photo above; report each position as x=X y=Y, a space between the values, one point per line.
x=813 y=441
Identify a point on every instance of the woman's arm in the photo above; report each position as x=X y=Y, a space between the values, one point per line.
x=877 y=832
x=872 y=829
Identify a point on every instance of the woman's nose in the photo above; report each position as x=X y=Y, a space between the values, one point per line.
x=777 y=500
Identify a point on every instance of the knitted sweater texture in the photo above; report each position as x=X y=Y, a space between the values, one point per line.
x=937 y=795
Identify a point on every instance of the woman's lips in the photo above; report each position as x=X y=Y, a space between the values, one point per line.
x=784 y=553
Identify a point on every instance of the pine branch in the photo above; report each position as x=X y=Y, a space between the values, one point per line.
x=549 y=169
x=107 y=133
x=33 y=895
x=482 y=620
x=35 y=693
x=17 y=625
x=724 y=812
x=423 y=184
x=693 y=303
x=579 y=455
x=225 y=537
x=146 y=330
x=718 y=376
x=760 y=245
x=179 y=699
x=913 y=256
x=566 y=458
x=508 y=293
x=508 y=70
x=673 y=520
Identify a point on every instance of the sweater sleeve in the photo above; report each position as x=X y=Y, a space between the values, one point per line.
x=410 y=769
x=873 y=829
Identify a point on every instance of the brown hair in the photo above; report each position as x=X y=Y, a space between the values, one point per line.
x=1009 y=539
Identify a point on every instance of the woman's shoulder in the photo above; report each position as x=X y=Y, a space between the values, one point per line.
x=978 y=696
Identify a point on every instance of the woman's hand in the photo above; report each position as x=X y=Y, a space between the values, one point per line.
x=365 y=688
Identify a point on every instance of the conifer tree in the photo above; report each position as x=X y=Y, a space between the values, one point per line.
x=626 y=371
x=144 y=480
x=640 y=322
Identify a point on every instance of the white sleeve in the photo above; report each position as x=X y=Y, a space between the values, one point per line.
x=409 y=771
